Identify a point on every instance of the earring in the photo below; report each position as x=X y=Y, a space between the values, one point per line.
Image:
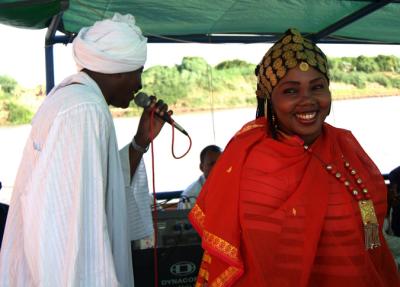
x=274 y=121
x=266 y=108
x=273 y=117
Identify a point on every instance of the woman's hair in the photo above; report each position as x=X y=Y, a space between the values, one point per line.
x=290 y=51
x=265 y=105
x=260 y=112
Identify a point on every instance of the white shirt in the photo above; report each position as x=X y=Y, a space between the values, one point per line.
x=67 y=223
x=190 y=194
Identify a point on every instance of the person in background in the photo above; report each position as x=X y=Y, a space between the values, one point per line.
x=391 y=225
x=394 y=200
x=78 y=201
x=3 y=217
x=208 y=157
x=292 y=200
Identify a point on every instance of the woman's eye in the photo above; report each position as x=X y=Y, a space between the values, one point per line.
x=318 y=87
x=289 y=91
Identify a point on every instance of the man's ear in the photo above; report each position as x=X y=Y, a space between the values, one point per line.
x=201 y=167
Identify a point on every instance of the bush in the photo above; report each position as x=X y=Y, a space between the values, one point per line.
x=380 y=79
x=168 y=83
x=345 y=64
x=387 y=63
x=194 y=64
x=7 y=84
x=396 y=83
x=17 y=114
x=366 y=64
x=356 y=79
x=333 y=63
x=337 y=75
x=234 y=64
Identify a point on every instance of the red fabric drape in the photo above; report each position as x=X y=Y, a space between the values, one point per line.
x=271 y=215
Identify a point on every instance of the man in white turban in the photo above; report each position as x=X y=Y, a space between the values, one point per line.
x=68 y=222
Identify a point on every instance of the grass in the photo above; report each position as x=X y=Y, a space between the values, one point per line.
x=242 y=95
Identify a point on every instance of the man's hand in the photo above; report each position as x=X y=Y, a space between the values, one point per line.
x=143 y=135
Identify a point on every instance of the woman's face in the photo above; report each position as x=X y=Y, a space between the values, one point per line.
x=301 y=102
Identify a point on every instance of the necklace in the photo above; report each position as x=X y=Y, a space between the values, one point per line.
x=360 y=193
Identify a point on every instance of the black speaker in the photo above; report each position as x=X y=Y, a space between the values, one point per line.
x=177 y=266
x=175 y=229
x=179 y=253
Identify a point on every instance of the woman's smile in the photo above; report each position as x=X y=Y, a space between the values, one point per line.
x=306 y=118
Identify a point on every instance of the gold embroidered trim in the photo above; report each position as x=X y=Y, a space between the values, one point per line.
x=248 y=127
x=206 y=257
x=221 y=245
x=220 y=281
x=225 y=276
x=203 y=273
x=198 y=215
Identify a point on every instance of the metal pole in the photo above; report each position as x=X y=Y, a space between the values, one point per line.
x=49 y=58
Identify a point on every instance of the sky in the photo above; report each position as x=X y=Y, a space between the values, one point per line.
x=22 y=54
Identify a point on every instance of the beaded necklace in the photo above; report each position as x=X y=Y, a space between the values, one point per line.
x=360 y=193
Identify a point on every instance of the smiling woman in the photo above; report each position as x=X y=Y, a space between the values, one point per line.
x=293 y=83
x=303 y=195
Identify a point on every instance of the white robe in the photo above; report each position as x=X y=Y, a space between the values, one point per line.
x=67 y=223
x=190 y=194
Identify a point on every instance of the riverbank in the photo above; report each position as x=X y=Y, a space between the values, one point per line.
x=28 y=101
x=371 y=120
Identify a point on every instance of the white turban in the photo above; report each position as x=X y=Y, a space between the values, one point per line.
x=111 y=46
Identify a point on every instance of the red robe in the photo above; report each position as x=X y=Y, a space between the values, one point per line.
x=270 y=214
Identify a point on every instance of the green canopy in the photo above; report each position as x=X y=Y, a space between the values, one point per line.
x=211 y=21
x=344 y=21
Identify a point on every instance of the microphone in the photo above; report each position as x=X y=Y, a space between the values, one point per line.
x=143 y=100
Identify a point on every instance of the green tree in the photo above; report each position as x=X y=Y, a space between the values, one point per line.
x=7 y=84
x=167 y=83
x=345 y=64
x=387 y=63
x=366 y=64
x=17 y=114
x=232 y=64
x=333 y=63
x=194 y=64
x=337 y=75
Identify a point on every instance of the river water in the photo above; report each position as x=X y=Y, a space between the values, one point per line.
x=373 y=121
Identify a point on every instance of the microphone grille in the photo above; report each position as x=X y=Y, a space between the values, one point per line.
x=142 y=100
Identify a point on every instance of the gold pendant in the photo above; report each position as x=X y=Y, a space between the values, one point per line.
x=370 y=222
x=304 y=66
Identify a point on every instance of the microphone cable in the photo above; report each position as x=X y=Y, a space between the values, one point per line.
x=173 y=141
x=155 y=208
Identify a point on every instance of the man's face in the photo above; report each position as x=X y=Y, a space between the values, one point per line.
x=126 y=86
x=209 y=160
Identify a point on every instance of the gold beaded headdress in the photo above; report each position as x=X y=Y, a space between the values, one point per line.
x=291 y=50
